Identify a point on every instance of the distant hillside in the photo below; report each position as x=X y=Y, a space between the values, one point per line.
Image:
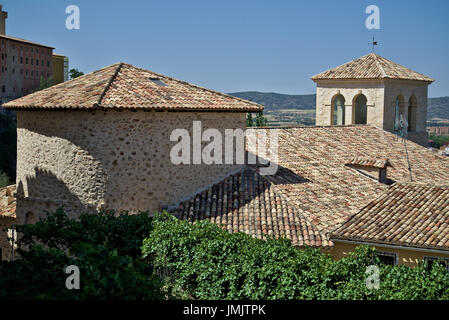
x=276 y=101
x=437 y=107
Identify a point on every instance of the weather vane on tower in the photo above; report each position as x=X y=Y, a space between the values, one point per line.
x=373 y=43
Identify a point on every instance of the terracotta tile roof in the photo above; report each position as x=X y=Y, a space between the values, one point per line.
x=408 y=214
x=333 y=191
x=373 y=163
x=314 y=182
x=7 y=202
x=371 y=66
x=121 y=86
x=246 y=202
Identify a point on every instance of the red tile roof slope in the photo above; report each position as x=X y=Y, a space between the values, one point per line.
x=247 y=202
x=372 y=66
x=314 y=180
x=336 y=191
x=123 y=86
x=408 y=214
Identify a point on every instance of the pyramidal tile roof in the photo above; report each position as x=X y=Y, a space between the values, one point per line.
x=123 y=86
x=371 y=66
x=409 y=214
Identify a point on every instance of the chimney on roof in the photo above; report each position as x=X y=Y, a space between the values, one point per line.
x=369 y=168
x=3 y=17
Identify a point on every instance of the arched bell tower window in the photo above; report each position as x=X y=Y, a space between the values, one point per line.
x=398 y=112
x=360 y=112
x=338 y=110
x=412 y=109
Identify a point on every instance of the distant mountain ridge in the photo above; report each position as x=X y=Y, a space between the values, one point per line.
x=277 y=101
x=436 y=107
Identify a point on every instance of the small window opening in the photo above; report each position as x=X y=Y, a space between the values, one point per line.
x=431 y=260
x=387 y=258
x=158 y=82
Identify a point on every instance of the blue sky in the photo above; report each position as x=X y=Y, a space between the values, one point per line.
x=227 y=45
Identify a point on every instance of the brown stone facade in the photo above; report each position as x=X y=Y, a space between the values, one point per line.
x=90 y=160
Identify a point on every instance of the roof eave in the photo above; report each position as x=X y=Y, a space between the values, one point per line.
x=96 y=107
x=337 y=237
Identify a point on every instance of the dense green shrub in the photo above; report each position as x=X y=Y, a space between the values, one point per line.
x=4 y=180
x=105 y=247
x=206 y=262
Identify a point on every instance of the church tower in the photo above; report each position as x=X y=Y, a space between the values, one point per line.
x=376 y=91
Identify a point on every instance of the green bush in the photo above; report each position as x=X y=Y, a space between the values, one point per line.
x=105 y=247
x=4 y=180
x=206 y=262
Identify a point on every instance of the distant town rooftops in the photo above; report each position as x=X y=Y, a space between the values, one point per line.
x=123 y=86
x=2 y=36
x=371 y=66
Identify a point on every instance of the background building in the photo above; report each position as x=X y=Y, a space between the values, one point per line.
x=22 y=64
x=60 y=68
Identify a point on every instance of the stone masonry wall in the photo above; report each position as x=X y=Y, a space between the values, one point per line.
x=5 y=233
x=373 y=91
x=117 y=160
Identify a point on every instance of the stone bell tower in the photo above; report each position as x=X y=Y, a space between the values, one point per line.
x=376 y=91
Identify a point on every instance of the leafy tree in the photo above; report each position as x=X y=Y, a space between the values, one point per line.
x=249 y=120
x=260 y=120
x=105 y=247
x=45 y=83
x=75 y=73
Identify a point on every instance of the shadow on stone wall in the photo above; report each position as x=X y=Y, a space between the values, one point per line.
x=239 y=193
x=45 y=192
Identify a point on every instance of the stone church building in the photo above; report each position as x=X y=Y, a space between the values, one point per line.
x=102 y=141
x=376 y=91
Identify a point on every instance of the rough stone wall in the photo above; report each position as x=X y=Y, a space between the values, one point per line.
x=373 y=91
x=117 y=160
x=5 y=233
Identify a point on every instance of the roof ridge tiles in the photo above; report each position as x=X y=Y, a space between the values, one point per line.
x=111 y=80
x=381 y=68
